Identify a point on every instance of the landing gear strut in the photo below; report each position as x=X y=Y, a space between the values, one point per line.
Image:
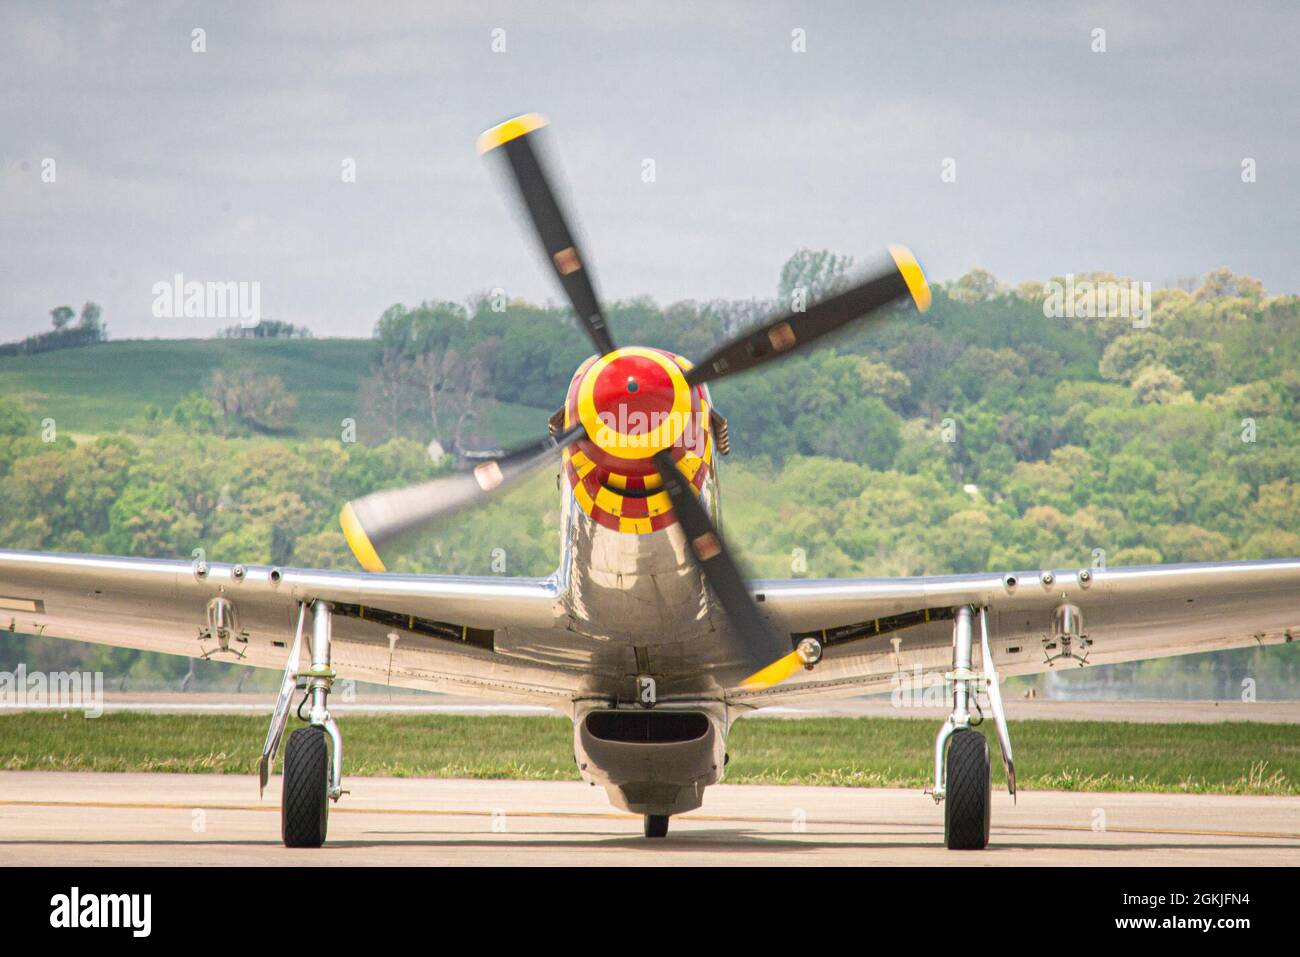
x=962 y=775
x=312 y=775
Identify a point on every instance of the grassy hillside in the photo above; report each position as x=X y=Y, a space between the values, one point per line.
x=99 y=389
x=986 y=434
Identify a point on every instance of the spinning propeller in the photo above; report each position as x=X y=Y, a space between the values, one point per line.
x=374 y=523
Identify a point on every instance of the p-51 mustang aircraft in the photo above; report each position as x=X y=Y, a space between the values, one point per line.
x=646 y=634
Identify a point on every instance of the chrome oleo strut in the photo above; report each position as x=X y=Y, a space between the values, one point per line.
x=965 y=687
x=316 y=681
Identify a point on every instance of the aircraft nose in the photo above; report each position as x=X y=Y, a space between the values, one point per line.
x=634 y=402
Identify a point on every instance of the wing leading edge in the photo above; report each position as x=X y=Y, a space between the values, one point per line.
x=439 y=632
x=433 y=632
x=886 y=632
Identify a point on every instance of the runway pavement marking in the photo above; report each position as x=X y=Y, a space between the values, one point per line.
x=1174 y=832
x=609 y=815
x=152 y=806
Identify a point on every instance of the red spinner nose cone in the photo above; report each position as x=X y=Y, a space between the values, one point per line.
x=632 y=394
x=634 y=402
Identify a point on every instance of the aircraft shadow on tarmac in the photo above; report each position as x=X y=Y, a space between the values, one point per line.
x=735 y=841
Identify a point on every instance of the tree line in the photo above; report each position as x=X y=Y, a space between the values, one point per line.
x=982 y=435
x=89 y=328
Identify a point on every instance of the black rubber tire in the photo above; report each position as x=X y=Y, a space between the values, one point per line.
x=304 y=802
x=968 y=804
x=656 y=825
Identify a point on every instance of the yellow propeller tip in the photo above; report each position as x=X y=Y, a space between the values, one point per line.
x=359 y=541
x=912 y=274
x=511 y=129
x=773 y=674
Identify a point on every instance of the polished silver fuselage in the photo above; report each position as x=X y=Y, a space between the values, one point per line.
x=632 y=605
x=644 y=604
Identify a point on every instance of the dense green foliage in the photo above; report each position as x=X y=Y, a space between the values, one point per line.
x=983 y=435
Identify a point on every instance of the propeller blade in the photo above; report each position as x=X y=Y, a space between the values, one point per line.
x=797 y=329
x=758 y=646
x=514 y=137
x=375 y=521
x=775 y=673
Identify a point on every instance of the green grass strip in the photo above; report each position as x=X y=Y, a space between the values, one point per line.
x=1229 y=758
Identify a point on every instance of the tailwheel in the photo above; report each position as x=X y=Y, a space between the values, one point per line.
x=656 y=825
x=969 y=798
x=304 y=803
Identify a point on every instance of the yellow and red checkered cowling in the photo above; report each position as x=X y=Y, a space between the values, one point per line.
x=634 y=402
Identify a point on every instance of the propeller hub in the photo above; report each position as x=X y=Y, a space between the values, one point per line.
x=635 y=402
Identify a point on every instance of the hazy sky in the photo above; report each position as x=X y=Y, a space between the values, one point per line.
x=226 y=165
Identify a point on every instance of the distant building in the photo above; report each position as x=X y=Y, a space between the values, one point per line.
x=265 y=329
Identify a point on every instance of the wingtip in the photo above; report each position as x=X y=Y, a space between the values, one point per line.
x=511 y=129
x=359 y=541
x=913 y=275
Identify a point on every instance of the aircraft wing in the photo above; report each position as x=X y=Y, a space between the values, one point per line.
x=883 y=633
x=434 y=633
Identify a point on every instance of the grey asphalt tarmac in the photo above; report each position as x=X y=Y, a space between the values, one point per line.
x=59 y=818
